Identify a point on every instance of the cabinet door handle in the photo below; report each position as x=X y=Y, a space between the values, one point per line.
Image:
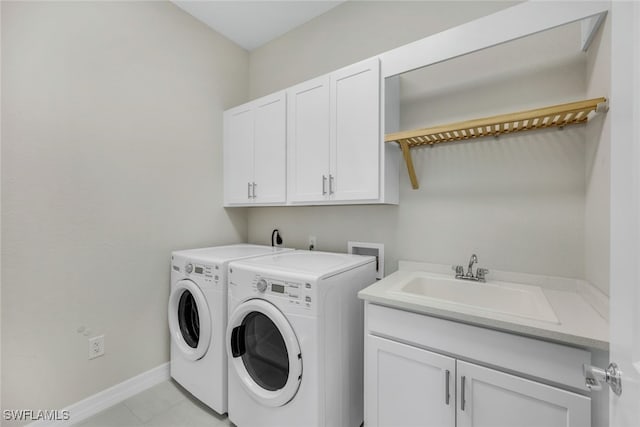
x=447 y=376
x=254 y=189
x=462 y=386
x=248 y=190
x=324 y=185
x=331 y=184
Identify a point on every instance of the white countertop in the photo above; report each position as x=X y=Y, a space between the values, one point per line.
x=580 y=308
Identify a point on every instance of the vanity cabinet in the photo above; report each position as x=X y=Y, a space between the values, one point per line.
x=460 y=375
x=255 y=152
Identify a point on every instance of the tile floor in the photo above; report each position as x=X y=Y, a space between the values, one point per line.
x=165 y=405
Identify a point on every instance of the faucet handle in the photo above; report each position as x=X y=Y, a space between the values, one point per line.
x=458 y=269
x=481 y=273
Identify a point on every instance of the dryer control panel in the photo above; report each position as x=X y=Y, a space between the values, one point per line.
x=206 y=272
x=298 y=294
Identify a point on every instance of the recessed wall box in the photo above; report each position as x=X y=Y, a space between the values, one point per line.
x=374 y=249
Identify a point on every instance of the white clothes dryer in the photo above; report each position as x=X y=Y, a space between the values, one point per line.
x=295 y=339
x=198 y=318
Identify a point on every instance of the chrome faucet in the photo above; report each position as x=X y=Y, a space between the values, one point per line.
x=480 y=275
x=472 y=260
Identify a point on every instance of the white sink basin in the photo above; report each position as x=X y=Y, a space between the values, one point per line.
x=512 y=299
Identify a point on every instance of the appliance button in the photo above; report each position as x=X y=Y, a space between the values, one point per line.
x=307 y=298
x=261 y=285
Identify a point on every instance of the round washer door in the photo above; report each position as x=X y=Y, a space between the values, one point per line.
x=264 y=352
x=189 y=320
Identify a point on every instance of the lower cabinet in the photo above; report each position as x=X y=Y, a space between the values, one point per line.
x=490 y=398
x=407 y=385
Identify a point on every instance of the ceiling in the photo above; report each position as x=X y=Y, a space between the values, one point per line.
x=254 y=23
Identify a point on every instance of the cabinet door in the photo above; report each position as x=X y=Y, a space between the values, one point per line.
x=355 y=131
x=269 y=150
x=308 y=141
x=407 y=386
x=489 y=398
x=238 y=155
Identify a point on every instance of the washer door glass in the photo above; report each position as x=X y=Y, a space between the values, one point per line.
x=264 y=352
x=189 y=320
x=265 y=358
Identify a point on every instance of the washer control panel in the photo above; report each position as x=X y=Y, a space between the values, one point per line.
x=209 y=273
x=296 y=293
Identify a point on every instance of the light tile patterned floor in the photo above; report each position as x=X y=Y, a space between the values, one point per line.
x=165 y=405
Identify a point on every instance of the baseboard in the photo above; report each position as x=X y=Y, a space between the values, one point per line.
x=90 y=406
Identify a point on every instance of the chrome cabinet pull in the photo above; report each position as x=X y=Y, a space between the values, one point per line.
x=447 y=375
x=248 y=190
x=254 y=189
x=324 y=185
x=331 y=184
x=462 y=398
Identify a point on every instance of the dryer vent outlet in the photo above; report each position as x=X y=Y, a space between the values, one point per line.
x=374 y=249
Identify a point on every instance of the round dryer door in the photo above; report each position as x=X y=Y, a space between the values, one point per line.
x=189 y=320
x=264 y=352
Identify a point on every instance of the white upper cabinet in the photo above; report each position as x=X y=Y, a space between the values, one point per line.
x=238 y=155
x=254 y=152
x=308 y=135
x=335 y=149
x=319 y=142
x=355 y=132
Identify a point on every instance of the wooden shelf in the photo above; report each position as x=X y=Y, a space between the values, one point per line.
x=540 y=118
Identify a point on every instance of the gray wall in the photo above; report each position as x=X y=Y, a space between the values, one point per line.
x=111 y=158
x=519 y=201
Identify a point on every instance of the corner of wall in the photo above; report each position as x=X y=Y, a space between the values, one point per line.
x=597 y=172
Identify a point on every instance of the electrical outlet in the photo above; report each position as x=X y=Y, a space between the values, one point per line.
x=312 y=243
x=96 y=347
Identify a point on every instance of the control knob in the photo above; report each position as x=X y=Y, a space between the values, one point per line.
x=261 y=285
x=189 y=268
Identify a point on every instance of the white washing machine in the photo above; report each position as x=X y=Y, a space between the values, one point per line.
x=198 y=318
x=295 y=339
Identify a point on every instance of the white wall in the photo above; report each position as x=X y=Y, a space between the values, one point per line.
x=111 y=158
x=517 y=201
x=351 y=32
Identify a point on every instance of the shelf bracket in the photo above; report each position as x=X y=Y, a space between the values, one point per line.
x=603 y=106
x=404 y=145
x=540 y=118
